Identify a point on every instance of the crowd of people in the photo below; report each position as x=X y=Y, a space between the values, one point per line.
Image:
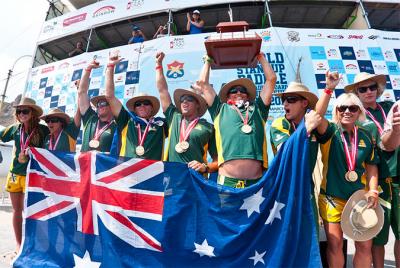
x=359 y=146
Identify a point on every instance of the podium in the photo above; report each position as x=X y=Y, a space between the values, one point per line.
x=233 y=46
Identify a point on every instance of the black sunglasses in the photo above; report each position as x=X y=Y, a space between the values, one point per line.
x=23 y=111
x=52 y=120
x=187 y=98
x=236 y=89
x=373 y=87
x=292 y=99
x=352 y=108
x=143 y=102
x=102 y=104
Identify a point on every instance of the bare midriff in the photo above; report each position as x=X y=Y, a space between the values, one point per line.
x=249 y=169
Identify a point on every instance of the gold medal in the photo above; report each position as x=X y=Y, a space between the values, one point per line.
x=351 y=176
x=178 y=148
x=94 y=144
x=139 y=150
x=184 y=146
x=246 y=129
x=22 y=158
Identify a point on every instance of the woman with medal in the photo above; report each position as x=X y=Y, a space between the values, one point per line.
x=348 y=152
x=369 y=87
x=239 y=118
x=27 y=132
x=63 y=131
x=99 y=126
x=190 y=136
x=142 y=134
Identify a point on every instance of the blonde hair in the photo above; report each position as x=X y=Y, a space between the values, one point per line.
x=348 y=99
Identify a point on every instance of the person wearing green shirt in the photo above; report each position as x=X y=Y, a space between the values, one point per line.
x=190 y=136
x=98 y=126
x=63 y=131
x=239 y=118
x=142 y=135
x=27 y=132
x=348 y=151
x=369 y=87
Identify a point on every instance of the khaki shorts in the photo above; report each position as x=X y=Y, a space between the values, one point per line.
x=331 y=208
x=15 y=183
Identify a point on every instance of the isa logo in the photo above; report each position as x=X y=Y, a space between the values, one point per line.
x=266 y=36
x=175 y=70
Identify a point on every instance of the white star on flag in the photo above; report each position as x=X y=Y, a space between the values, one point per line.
x=252 y=203
x=85 y=261
x=204 y=249
x=258 y=258
x=275 y=212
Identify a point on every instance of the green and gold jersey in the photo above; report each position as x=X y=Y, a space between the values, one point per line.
x=153 y=143
x=67 y=140
x=388 y=160
x=201 y=139
x=90 y=120
x=282 y=129
x=335 y=165
x=231 y=142
x=13 y=133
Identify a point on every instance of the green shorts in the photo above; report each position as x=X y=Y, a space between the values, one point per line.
x=390 y=201
x=235 y=183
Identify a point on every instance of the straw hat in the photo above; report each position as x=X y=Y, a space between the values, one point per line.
x=56 y=113
x=178 y=93
x=359 y=222
x=28 y=102
x=245 y=82
x=301 y=90
x=96 y=99
x=380 y=79
x=130 y=104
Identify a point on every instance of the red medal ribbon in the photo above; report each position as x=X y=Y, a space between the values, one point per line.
x=51 y=145
x=378 y=125
x=98 y=132
x=23 y=145
x=141 y=138
x=245 y=119
x=350 y=156
x=185 y=131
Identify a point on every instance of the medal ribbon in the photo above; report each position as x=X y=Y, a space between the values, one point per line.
x=378 y=125
x=185 y=131
x=23 y=145
x=245 y=120
x=51 y=145
x=350 y=156
x=141 y=138
x=98 y=132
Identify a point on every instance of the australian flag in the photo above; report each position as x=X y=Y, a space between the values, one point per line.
x=95 y=210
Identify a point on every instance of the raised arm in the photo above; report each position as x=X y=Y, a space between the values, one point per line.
x=161 y=83
x=270 y=79
x=199 y=24
x=332 y=80
x=83 y=97
x=188 y=22
x=203 y=84
x=115 y=104
x=77 y=116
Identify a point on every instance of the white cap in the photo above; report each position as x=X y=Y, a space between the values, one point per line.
x=196 y=11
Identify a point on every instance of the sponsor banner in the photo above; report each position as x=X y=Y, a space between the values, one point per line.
x=303 y=53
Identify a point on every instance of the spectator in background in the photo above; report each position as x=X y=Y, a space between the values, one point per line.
x=78 y=50
x=137 y=36
x=163 y=31
x=194 y=24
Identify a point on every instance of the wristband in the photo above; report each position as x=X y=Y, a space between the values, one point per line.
x=110 y=65
x=206 y=166
x=159 y=67
x=328 y=91
x=374 y=191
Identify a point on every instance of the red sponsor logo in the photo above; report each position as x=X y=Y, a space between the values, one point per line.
x=351 y=66
x=353 y=36
x=79 y=63
x=74 y=19
x=48 y=69
x=104 y=11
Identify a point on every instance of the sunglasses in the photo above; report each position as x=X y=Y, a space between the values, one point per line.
x=373 y=87
x=143 y=102
x=187 y=98
x=23 y=111
x=101 y=104
x=292 y=99
x=52 y=120
x=237 y=89
x=352 y=108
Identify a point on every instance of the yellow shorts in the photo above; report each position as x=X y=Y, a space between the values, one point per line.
x=330 y=208
x=15 y=183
